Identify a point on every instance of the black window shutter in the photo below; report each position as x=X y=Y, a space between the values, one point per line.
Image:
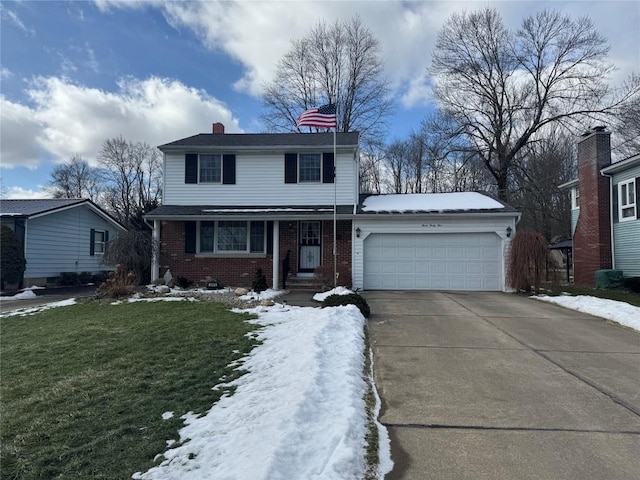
x=189 y=237
x=269 y=238
x=290 y=168
x=328 y=172
x=637 y=182
x=92 y=242
x=106 y=237
x=229 y=169
x=191 y=168
x=614 y=201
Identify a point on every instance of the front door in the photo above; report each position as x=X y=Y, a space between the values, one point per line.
x=309 y=246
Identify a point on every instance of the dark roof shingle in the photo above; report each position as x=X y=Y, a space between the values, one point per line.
x=35 y=206
x=266 y=140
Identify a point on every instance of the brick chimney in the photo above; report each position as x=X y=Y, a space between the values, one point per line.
x=218 y=128
x=592 y=237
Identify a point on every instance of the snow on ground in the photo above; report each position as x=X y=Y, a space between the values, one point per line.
x=39 y=308
x=620 y=312
x=298 y=413
x=320 y=297
x=268 y=294
x=24 y=295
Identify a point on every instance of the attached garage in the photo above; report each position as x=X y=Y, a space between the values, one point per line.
x=421 y=261
x=449 y=241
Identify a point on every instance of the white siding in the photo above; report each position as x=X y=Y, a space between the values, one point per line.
x=59 y=242
x=259 y=182
x=430 y=226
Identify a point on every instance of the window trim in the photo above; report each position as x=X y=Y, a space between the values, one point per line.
x=320 y=177
x=575 y=198
x=102 y=243
x=623 y=202
x=200 y=168
x=231 y=253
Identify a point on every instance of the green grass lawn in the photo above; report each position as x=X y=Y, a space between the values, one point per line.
x=83 y=387
x=622 y=295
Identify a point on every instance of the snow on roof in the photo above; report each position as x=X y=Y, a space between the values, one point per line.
x=430 y=202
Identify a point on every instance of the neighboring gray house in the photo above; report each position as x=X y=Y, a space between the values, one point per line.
x=59 y=235
x=605 y=213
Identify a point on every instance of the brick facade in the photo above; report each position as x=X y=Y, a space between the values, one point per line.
x=592 y=237
x=240 y=271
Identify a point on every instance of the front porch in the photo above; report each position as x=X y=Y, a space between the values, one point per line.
x=199 y=250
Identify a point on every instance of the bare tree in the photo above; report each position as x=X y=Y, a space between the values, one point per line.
x=542 y=166
x=76 y=179
x=133 y=179
x=503 y=87
x=340 y=64
x=626 y=138
x=372 y=171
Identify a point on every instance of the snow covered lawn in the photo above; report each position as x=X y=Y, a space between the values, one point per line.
x=619 y=312
x=298 y=413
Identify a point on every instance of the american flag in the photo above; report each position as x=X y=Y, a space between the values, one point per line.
x=323 y=117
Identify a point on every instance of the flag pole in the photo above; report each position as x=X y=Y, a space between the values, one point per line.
x=335 y=181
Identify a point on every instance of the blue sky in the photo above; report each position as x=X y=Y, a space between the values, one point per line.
x=76 y=73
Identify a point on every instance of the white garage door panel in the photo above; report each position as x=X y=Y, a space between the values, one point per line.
x=448 y=261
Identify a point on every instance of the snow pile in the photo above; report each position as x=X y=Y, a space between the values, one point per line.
x=320 y=297
x=440 y=202
x=269 y=293
x=620 y=312
x=40 y=308
x=24 y=295
x=298 y=413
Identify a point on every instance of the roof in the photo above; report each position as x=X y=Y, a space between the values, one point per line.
x=166 y=212
x=264 y=140
x=629 y=162
x=29 y=208
x=569 y=184
x=562 y=244
x=421 y=203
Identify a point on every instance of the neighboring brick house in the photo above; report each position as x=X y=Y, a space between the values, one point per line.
x=233 y=203
x=605 y=221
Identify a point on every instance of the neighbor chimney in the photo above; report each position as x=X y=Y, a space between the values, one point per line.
x=592 y=237
x=218 y=127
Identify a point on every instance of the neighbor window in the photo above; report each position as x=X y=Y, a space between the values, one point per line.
x=309 y=168
x=232 y=236
x=627 y=200
x=210 y=168
x=575 y=198
x=99 y=242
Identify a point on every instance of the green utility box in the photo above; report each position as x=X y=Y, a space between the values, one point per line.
x=608 y=279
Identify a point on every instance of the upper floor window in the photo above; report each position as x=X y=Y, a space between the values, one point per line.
x=627 y=200
x=309 y=168
x=210 y=168
x=575 y=198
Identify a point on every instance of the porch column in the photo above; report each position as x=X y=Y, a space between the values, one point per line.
x=276 y=255
x=155 y=256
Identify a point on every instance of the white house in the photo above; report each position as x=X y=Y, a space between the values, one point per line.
x=233 y=203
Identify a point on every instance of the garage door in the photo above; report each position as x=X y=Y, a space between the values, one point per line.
x=445 y=261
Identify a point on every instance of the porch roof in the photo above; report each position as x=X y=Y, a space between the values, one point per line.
x=193 y=212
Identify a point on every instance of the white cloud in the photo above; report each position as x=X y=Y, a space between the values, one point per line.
x=15 y=193
x=19 y=131
x=257 y=34
x=5 y=73
x=13 y=17
x=68 y=118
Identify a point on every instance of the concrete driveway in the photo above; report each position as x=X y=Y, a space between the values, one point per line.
x=498 y=386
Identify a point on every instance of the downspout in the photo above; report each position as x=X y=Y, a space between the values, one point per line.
x=613 y=247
